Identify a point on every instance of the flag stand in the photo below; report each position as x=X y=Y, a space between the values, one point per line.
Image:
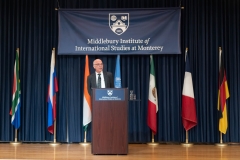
x=153 y=143
x=16 y=141
x=221 y=144
x=186 y=144
x=19 y=91
x=87 y=115
x=85 y=143
x=54 y=143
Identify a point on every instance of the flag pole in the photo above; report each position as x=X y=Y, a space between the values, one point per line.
x=16 y=130
x=87 y=104
x=153 y=143
x=221 y=144
x=221 y=141
x=186 y=144
x=85 y=143
x=152 y=107
x=16 y=142
x=85 y=136
x=54 y=143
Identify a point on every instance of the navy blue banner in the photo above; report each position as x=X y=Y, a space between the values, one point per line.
x=119 y=31
x=109 y=94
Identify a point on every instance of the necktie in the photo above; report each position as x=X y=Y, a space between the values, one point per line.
x=99 y=81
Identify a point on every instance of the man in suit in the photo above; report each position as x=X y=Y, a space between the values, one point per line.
x=106 y=78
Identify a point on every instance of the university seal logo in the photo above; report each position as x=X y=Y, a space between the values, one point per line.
x=109 y=92
x=118 y=22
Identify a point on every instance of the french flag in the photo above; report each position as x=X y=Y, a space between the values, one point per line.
x=52 y=89
x=189 y=117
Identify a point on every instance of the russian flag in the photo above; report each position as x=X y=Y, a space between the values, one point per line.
x=52 y=89
x=189 y=117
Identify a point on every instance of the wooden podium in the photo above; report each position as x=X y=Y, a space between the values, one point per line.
x=109 y=121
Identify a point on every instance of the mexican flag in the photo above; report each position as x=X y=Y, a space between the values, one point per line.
x=152 y=99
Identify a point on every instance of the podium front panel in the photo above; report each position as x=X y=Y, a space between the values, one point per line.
x=109 y=121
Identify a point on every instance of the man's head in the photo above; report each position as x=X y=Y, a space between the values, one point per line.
x=98 y=65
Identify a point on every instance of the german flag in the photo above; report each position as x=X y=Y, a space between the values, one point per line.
x=223 y=95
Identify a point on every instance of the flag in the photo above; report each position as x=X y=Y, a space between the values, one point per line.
x=223 y=95
x=87 y=114
x=189 y=117
x=16 y=104
x=117 y=77
x=52 y=89
x=152 y=100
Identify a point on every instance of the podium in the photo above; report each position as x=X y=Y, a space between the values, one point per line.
x=109 y=121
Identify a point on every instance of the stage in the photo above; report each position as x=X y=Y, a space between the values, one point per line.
x=135 y=152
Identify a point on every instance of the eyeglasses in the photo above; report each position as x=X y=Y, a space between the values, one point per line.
x=98 y=64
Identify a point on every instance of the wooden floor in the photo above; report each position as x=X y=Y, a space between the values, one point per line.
x=136 y=152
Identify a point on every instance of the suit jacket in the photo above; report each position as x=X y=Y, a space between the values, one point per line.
x=91 y=81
